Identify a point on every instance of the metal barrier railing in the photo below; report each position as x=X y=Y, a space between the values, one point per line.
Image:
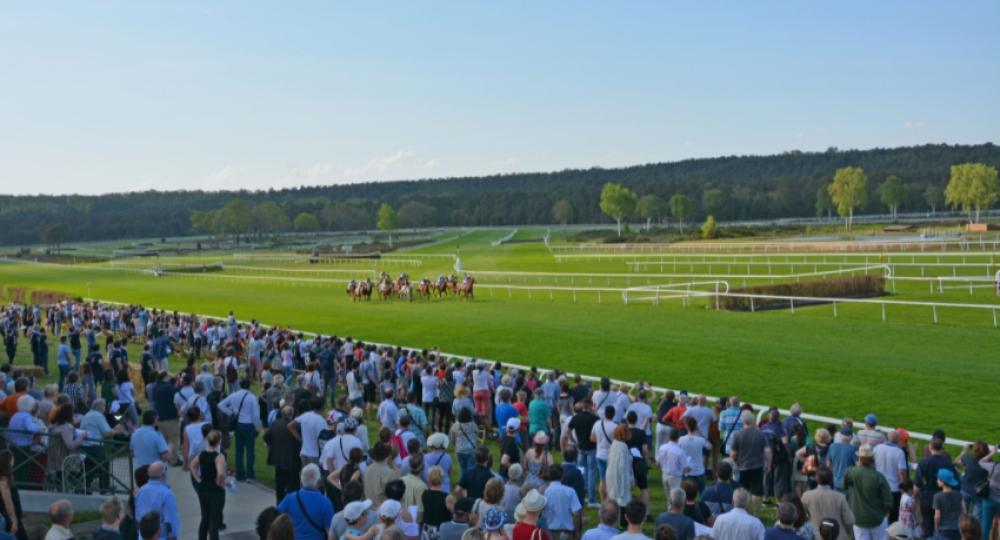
x=104 y=466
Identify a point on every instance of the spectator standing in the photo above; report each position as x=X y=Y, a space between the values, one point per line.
x=926 y=481
x=283 y=454
x=208 y=470
x=111 y=518
x=947 y=506
x=785 y=529
x=244 y=410
x=454 y=529
x=308 y=509
x=306 y=429
x=563 y=512
x=607 y=528
x=738 y=524
x=823 y=502
x=752 y=455
x=674 y=517
x=528 y=528
x=580 y=428
x=155 y=496
x=890 y=462
x=147 y=443
x=379 y=473
x=61 y=516
x=634 y=515
x=695 y=444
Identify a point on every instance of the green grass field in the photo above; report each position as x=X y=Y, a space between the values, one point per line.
x=914 y=373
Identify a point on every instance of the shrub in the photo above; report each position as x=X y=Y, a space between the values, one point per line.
x=848 y=287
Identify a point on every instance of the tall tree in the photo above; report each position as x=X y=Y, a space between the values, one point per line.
x=709 y=229
x=933 y=196
x=236 y=218
x=388 y=220
x=269 y=218
x=349 y=215
x=562 y=212
x=714 y=201
x=306 y=222
x=650 y=207
x=414 y=214
x=892 y=193
x=973 y=186
x=849 y=190
x=54 y=234
x=681 y=208
x=618 y=202
x=824 y=204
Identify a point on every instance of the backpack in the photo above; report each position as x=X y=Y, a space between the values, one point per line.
x=231 y=374
x=397 y=442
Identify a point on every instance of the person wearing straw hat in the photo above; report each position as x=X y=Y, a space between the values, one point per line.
x=869 y=496
x=527 y=526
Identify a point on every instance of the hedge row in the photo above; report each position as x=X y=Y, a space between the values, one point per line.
x=847 y=287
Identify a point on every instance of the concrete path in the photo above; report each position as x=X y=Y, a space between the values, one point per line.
x=240 y=514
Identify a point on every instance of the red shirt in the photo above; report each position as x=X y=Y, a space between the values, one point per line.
x=524 y=531
x=673 y=416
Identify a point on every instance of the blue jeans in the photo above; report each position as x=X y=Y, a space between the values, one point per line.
x=987 y=509
x=78 y=356
x=588 y=460
x=466 y=460
x=245 y=435
x=63 y=371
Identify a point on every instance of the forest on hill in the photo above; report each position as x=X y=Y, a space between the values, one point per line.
x=790 y=184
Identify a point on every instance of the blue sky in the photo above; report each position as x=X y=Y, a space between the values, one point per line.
x=120 y=96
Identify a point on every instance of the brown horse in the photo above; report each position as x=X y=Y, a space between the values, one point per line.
x=452 y=284
x=384 y=289
x=441 y=287
x=361 y=291
x=466 y=289
x=424 y=288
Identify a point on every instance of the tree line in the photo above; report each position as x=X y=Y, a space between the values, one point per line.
x=791 y=184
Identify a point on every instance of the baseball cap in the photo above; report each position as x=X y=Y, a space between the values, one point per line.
x=353 y=511
x=948 y=477
x=513 y=424
x=390 y=509
x=871 y=419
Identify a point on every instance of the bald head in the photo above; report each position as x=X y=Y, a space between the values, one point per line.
x=156 y=470
x=61 y=512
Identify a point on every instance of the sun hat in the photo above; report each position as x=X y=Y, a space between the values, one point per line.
x=871 y=419
x=349 y=424
x=513 y=424
x=437 y=441
x=390 y=509
x=493 y=520
x=948 y=477
x=866 y=451
x=357 y=413
x=354 y=510
x=534 y=501
x=898 y=531
x=541 y=438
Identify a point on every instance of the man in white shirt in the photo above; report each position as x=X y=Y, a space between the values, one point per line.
x=890 y=461
x=673 y=462
x=737 y=524
x=643 y=412
x=337 y=451
x=306 y=429
x=602 y=435
x=388 y=411
x=199 y=400
x=242 y=406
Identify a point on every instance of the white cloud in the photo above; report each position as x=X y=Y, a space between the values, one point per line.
x=399 y=164
x=225 y=178
x=914 y=124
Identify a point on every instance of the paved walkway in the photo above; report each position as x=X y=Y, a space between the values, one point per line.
x=240 y=513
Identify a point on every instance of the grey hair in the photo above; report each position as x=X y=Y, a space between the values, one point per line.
x=683 y=398
x=50 y=390
x=893 y=436
x=25 y=403
x=61 y=511
x=795 y=409
x=99 y=403
x=310 y=475
x=287 y=411
x=747 y=418
x=609 y=513
x=741 y=498
x=787 y=513
x=677 y=498
x=217 y=382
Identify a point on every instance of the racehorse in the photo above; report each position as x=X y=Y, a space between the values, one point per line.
x=360 y=290
x=385 y=288
x=441 y=287
x=403 y=288
x=453 y=284
x=466 y=290
x=352 y=287
x=424 y=289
